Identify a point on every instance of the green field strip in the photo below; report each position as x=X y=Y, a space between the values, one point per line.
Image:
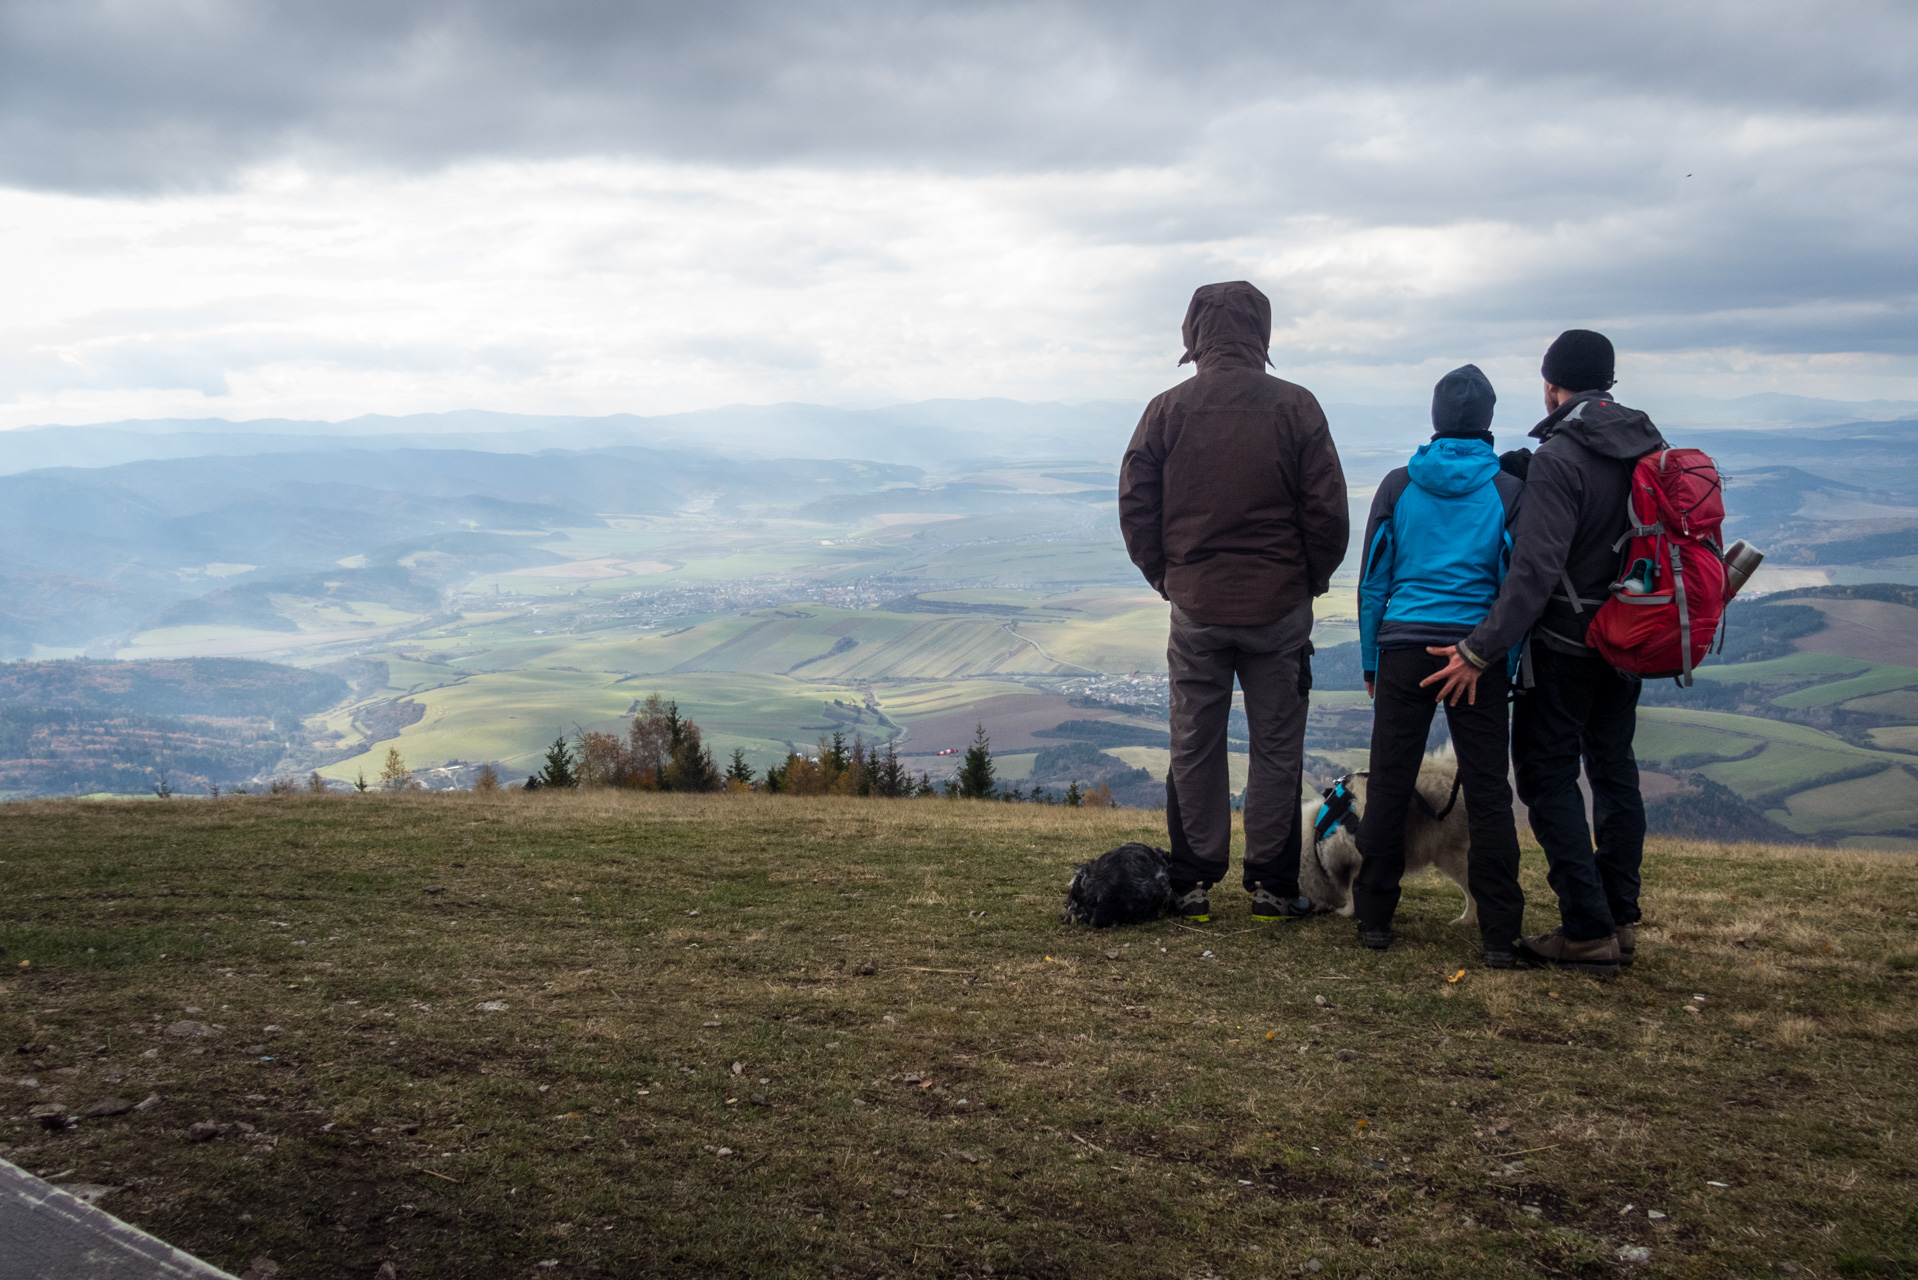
x=765 y=710
x=1898 y=737
x=953 y=648
x=1336 y=606
x=512 y=717
x=509 y=716
x=1790 y=758
x=1885 y=801
x=909 y=702
x=768 y=645
x=1784 y=769
x=330 y=615
x=685 y=640
x=1902 y=703
x=1748 y=726
x=1016 y=767
x=403 y=675
x=987 y=596
x=1105 y=601
x=1034 y=562
x=1882 y=679
x=1117 y=643
x=705 y=645
x=889 y=646
x=948 y=648
x=1789 y=669
x=1659 y=739
x=1157 y=761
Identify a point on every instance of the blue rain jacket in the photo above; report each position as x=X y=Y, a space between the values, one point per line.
x=1436 y=547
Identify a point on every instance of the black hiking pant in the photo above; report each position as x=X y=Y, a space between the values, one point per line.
x=1401 y=721
x=1581 y=708
x=1273 y=665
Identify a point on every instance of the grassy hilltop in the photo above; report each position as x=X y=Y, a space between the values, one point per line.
x=687 y=1035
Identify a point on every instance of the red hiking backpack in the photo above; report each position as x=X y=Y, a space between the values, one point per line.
x=1670 y=595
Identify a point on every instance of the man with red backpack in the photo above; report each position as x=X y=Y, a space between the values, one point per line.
x=1573 y=703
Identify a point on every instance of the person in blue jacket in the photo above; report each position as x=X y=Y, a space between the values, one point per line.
x=1436 y=549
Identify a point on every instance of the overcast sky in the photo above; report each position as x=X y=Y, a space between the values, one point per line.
x=243 y=209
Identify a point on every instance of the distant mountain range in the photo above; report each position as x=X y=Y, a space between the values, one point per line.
x=936 y=435
x=180 y=523
x=86 y=552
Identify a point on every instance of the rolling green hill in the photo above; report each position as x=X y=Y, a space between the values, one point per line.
x=515 y=592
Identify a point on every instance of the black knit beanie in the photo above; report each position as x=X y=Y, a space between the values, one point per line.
x=1462 y=404
x=1580 y=360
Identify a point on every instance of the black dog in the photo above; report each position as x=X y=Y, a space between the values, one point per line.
x=1126 y=885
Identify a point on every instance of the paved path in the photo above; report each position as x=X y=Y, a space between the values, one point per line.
x=48 y=1234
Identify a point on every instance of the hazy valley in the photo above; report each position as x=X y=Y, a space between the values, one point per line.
x=467 y=587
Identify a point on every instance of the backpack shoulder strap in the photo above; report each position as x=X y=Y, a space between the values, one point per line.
x=1571 y=595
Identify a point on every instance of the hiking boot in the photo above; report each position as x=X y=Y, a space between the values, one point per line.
x=1268 y=907
x=1497 y=959
x=1627 y=943
x=1191 y=905
x=1377 y=937
x=1598 y=957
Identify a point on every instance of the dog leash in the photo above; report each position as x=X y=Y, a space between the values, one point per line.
x=1458 y=782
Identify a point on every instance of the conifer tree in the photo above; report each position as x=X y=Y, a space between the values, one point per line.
x=738 y=770
x=559 y=767
x=838 y=752
x=889 y=776
x=691 y=766
x=975 y=773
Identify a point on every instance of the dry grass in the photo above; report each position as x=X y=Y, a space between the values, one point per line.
x=934 y=1077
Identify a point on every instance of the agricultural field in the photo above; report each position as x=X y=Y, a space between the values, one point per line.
x=1816 y=741
x=778 y=601
x=1821 y=738
x=611 y=1034
x=1811 y=738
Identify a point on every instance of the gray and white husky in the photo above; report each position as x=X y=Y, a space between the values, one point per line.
x=1436 y=835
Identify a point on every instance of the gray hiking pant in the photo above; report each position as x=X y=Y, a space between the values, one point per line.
x=1273 y=664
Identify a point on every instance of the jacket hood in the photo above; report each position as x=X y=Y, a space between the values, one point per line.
x=1603 y=425
x=1462 y=403
x=1231 y=322
x=1452 y=466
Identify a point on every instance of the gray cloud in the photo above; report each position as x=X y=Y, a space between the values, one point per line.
x=99 y=94
x=1692 y=177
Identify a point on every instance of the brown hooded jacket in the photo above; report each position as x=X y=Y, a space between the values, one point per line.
x=1231 y=497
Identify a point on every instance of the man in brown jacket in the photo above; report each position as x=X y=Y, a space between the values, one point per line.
x=1232 y=502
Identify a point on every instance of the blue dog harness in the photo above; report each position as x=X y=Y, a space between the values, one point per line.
x=1336 y=811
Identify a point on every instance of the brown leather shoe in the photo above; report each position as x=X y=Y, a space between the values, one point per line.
x=1627 y=943
x=1598 y=957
